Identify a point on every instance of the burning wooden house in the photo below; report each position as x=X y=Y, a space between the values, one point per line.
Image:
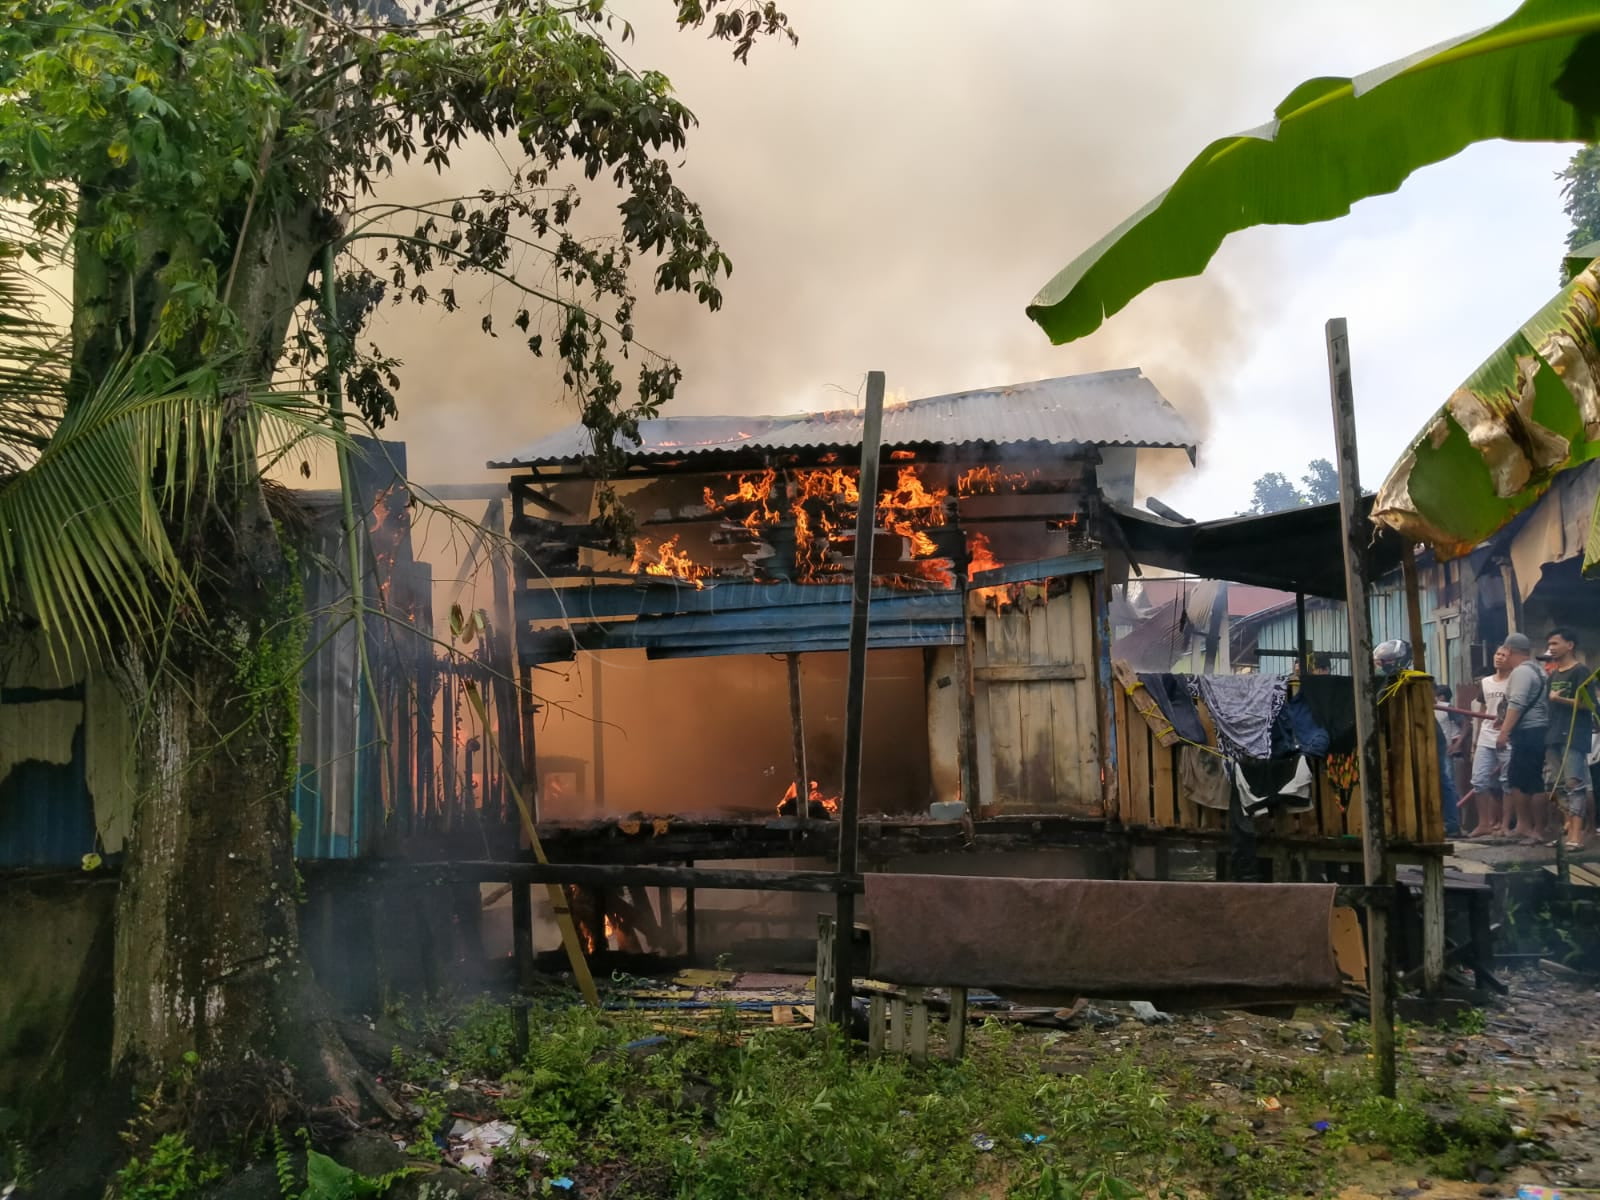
x=673 y=681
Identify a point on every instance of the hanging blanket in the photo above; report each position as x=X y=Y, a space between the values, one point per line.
x=1176 y=944
x=1171 y=694
x=1243 y=709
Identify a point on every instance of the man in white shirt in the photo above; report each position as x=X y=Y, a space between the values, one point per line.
x=1489 y=760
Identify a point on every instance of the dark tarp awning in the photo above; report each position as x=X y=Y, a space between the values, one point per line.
x=1297 y=550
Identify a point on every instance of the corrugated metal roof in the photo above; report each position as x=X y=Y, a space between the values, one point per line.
x=1107 y=408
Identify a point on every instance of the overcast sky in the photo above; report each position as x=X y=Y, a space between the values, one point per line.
x=895 y=189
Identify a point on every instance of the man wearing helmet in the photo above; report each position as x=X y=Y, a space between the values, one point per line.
x=1526 y=723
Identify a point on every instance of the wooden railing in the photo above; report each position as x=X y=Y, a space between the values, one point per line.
x=1149 y=793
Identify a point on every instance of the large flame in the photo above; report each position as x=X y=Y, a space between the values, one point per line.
x=753 y=490
x=909 y=509
x=669 y=561
x=979 y=556
x=818 y=497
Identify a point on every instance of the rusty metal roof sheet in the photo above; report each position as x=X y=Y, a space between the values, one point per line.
x=1106 y=408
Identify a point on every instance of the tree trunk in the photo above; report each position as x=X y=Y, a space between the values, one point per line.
x=207 y=943
x=208 y=957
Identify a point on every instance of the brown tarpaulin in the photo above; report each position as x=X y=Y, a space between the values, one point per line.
x=1181 y=945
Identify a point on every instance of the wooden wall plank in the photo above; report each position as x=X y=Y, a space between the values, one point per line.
x=982 y=716
x=1086 y=740
x=1127 y=727
x=1140 y=748
x=1005 y=713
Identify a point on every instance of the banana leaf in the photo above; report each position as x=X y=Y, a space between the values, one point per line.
x=1529 y=412
x=1535 y=77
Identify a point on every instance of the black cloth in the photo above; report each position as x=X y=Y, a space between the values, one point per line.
x=1525 y=771
x=1331 y=702
x=1579 y=723
x=1268 y=778
x=1171 y=694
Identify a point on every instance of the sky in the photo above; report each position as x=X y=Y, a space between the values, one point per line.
x=895 y=189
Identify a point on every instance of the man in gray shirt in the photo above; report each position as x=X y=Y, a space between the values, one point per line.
x=1526 y=722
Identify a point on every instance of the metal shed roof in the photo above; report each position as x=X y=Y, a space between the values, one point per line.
x=1107 y=408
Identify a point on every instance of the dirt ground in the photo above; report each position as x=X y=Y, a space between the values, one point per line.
x=1536 y=1055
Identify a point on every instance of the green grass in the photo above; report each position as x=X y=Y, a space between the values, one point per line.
x=752 y=1113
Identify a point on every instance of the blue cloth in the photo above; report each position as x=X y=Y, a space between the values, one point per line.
x=1171 y=694
x=1309 y=736
x=1447 y=785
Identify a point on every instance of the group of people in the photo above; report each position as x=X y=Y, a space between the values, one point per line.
x=1531 y=740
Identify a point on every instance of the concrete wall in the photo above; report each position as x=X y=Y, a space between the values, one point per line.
x=55 y=993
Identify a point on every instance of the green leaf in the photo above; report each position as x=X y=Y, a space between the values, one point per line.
x=1535 y=77
x=38 y=150
x=1529 y=412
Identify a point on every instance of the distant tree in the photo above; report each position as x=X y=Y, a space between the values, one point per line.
x=1321 y=482
x=1580 y=196
x=1272 y=493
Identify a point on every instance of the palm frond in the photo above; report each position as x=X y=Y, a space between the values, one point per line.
x=85 y=541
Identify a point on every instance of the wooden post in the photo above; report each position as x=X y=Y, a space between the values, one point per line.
x=688 y=919
x=1374 y=849
x=856 y=690
x=1408 y=573
x=522 y=948
x=597 y=771
x=1302 y=651
x=966 y=718
x=797 y=737
x=956 y=1041
x=527 y=710
x=507 y=710
x=1508 y=581
x=1432 y=925
x=1216 y=626
x=917 y=1001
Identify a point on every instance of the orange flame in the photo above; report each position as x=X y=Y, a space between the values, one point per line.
x=755 y=490
x=815 y=797
x=908 y=509
x=985 y=481
x=670 y=561
x=979 y=556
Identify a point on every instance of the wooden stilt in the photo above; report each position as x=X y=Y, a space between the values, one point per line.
x=917 y=1001
x=1433 y=947
x=956 y=1039
x=522 y=950
x=877 y=1019
x=856 y=689
x=797 y=740
x=1374 y=843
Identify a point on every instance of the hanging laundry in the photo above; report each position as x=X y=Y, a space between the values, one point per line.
x=1243 y=709
x=1203 y=777
x=1171 y=694
x=1279 y=785
x=1305 y=732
